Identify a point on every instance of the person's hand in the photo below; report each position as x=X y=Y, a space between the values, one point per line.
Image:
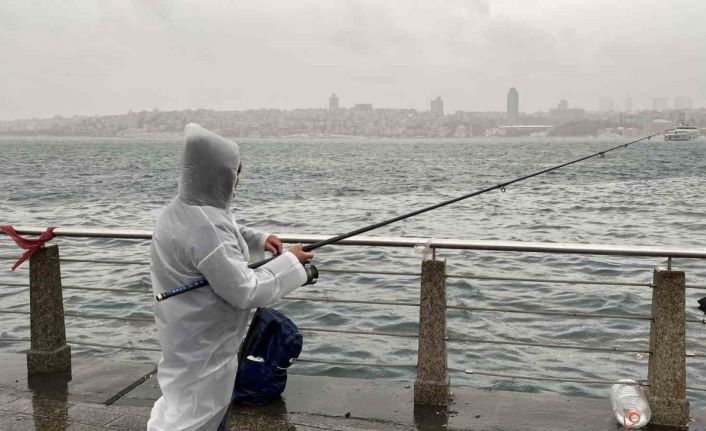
x=302 y=255
x=273 y=245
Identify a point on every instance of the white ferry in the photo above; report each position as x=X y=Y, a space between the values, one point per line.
x=682 y=133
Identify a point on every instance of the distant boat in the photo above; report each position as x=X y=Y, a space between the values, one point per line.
x=682 y=132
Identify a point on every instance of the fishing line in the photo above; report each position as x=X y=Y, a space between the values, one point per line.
x=501 y=186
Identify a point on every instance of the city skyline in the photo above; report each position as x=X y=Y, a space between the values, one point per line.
x=82 y=57
x=604 y=104
x=437 y=107
x=364 y=120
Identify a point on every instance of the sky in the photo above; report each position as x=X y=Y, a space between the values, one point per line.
x=101 y=57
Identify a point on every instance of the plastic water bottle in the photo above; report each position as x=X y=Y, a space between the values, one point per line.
x=630 y=404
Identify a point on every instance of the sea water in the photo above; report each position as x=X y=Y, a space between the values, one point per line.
x=653 y=193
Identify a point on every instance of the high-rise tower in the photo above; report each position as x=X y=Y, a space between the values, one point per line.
x=437 y=107
x=628 y=104
x=513 y=106
x=333 y=101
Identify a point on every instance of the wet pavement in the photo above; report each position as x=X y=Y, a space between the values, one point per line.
x=42 y=414
x=78 y=400
x=103 y=395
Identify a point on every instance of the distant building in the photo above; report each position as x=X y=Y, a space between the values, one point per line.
x=524 y=130
x=513 y=106
x=659 y=104
x=605 y=105
x=628 y=104
x=363 y=106
x=437 y=107
x=681 y=117
x=333 y=101
x=682 y=102
x=461 y=132
x=659 y=125
x=563 y=114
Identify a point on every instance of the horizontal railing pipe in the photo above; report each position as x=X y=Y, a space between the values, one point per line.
x=354 y=332
x=553 y=313
x=86 y=316
x=451 y=244
x=25 y=285
x=354 y=364
x=108 y=289
x=547 y=345
x=350 y=301
x=72 y=232
x=550 y=280
x=537 y=378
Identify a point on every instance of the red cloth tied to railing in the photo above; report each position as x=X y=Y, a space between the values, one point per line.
x=31 y=245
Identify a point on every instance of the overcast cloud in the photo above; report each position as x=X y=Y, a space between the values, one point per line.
x=109 y=56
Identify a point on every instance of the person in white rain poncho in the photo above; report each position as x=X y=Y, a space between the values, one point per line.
x=195 y=237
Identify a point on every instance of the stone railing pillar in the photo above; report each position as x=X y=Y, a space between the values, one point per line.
x=667 y=367
x=49 y=352
x=432 y=384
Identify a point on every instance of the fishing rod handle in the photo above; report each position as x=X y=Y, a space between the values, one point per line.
x=312 y=274
x=181 y=289
x=199 y=283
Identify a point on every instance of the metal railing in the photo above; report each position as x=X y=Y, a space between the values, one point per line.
x=432 y=386
x=451 y=244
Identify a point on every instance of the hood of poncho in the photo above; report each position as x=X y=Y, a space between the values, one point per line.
x=209 y=168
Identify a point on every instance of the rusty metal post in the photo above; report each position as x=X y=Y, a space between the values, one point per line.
x=667 y=367
x=49 y=352
x=432 y=384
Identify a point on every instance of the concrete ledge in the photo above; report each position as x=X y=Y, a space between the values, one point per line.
x=310 y=403
x=314 y=403
x=90 y=380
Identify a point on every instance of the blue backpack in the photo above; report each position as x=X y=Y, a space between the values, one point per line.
x=272 y=344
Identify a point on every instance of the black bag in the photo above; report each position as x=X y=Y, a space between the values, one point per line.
x=272 y=344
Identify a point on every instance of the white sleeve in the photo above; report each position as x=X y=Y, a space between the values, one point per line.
x=255 y=240
x=228 y=274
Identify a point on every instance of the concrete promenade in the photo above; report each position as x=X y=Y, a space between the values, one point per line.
x=104 y=395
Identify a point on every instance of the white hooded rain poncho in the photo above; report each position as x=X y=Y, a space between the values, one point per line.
x=200 y=332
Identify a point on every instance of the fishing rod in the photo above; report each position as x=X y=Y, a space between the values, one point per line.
x=312 y=273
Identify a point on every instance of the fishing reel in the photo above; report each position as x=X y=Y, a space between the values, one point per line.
x=312 y=274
